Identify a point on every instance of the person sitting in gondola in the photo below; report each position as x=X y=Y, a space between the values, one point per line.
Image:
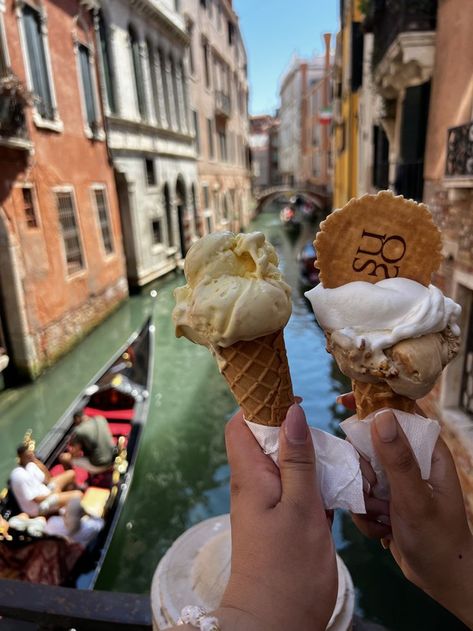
x=35 y=489
x=91 y=445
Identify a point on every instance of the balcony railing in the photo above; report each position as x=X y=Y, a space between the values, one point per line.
x=460 y=151
x=389 y=18
x=222 y=103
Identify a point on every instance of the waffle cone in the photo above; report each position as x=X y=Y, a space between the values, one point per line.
x=258 y=374
x=370 y=397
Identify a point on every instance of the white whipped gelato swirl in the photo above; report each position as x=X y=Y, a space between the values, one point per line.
x=379 y=315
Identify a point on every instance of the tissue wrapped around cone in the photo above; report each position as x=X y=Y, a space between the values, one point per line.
x=372 y=238
x=257 y=372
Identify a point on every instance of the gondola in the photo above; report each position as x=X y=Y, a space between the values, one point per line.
x=120 y=393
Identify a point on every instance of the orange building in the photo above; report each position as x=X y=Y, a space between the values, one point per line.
x=62 y=267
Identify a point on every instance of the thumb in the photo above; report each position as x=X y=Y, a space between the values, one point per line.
x=296 y=458
x=408 y=489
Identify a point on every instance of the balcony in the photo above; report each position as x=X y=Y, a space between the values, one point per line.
x=14 y=99
x=459 y=163
x=222 y=104
x=389 y=18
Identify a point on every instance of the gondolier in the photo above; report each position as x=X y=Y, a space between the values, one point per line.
x=91 y=446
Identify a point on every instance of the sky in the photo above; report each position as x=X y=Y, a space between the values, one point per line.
x=272 y=31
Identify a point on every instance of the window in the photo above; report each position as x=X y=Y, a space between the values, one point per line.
x=185 y=104
x=150 y=172
x=107 y=67
x=69 y=230
x=29 y=207
x=205 y=191
x=222 y=140
x=231 y=33
x=138 y=72
x=211 y=139
x=162 y=63
x=356 y=56
x=4 y=65
x=466 y=393
x=152 y=70
x=195 y=117
x=176 y=99
x=156 y=231
x=190 y=32
x=205 y=50
x=37 y=63
x=87 y=86
x=101 y=205
x=168 y=210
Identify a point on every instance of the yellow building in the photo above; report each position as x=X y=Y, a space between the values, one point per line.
x=348 y=73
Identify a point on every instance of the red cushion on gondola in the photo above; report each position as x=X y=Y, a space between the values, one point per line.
x=122 y=415
x=120 y=429
x=81 y=474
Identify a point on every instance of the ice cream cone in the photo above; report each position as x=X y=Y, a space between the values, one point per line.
x=257 y=372
x=370 y=397
x=370 y=239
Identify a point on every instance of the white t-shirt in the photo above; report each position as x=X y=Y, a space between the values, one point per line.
x=89 y=527
x=28 y=483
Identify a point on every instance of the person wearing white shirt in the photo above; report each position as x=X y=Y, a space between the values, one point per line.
x=35 y=490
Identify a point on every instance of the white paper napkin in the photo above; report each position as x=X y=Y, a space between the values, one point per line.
x=338 y=466
x=422 y=434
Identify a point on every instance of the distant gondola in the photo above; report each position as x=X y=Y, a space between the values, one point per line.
x=120 y=393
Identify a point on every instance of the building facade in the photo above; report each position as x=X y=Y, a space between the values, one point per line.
x=317 y=158
x=294 y=115
x=62 y=267
x=144 y=78
x=403 y=50
x=448 y=190
x=260 y=150
x=347 y=77
x=219 y=102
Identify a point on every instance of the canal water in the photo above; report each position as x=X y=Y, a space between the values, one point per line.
x=182 y=476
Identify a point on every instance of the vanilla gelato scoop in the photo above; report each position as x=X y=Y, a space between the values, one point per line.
x=234 y=290
x=396 y=330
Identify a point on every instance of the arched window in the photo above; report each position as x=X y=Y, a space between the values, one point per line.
x=168 y=212
x=138 y=71
x=107 y=65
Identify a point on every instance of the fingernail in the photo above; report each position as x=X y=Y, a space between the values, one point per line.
x=385 y=542
x=384 y=519
x=298 y=399
x=366 y=486
x=386 y=425
x=295 y=425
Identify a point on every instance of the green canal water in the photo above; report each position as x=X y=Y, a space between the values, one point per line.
x=182 y=475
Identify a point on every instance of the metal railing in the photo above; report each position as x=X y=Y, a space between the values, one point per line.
x=459 y=161
x=222 y=103
x=391 y=17
x=62 y=608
